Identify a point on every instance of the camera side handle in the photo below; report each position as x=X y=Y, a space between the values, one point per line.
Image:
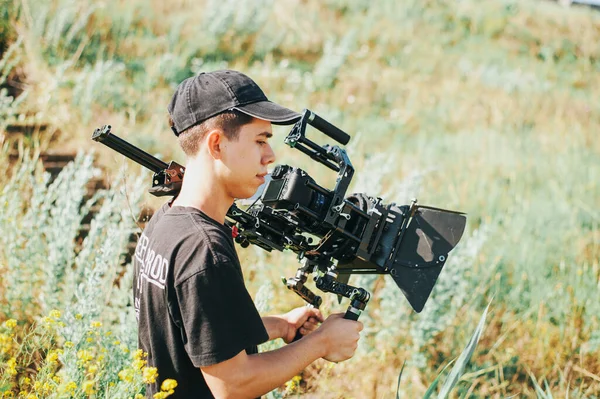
x=352 y=314
x=358 y=302
x=332 y=131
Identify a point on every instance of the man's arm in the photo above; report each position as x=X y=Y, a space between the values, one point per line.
x=249 y=376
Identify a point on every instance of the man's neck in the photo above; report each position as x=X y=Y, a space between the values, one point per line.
x=201 y=190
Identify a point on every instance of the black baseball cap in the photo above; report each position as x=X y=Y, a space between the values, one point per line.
x=210 y=93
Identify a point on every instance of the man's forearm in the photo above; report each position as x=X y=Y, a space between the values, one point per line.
x=255 y=375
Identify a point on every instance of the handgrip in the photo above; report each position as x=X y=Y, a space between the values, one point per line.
x=298 y=335
x=352 y=313
x=332 y=131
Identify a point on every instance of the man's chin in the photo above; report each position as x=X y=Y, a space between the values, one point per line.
x=246 y=194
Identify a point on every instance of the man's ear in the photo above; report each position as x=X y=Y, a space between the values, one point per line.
x=214 y=143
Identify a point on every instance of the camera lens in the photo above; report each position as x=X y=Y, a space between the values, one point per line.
x=317 y=202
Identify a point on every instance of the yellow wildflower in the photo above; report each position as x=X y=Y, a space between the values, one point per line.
x=138 y=364
x=168 y=385
x=126 y=375
x=69 y=344
x=11 y=366
x=293 y=384
x=84 y=355
x=92 y=369
x=96 y=324
x=149 y=375
x=78 y=316
x=161 y=395
x=55 y=314
x=71 y=387
x=52 y=357
x=47 y=387
x=88 y=387
x=6 y=343
x=10 y=323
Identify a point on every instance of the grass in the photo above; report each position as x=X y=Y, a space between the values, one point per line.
x=486 y=107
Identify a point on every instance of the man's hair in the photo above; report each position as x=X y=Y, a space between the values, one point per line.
x=229 y=122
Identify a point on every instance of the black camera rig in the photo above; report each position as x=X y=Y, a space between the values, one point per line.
x=357 y=234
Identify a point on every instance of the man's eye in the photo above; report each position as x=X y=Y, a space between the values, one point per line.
x=262 y=142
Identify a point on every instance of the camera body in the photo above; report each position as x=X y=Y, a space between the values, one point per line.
x=293 y=190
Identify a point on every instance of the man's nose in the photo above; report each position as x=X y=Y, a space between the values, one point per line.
x=269 y=156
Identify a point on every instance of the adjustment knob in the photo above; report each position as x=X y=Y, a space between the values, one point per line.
x=280 y=171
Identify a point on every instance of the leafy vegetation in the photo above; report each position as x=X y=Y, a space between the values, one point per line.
x=486 y=107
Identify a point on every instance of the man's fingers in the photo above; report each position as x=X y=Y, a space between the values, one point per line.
x=360 y=327
x=305 y=331
x=317 y=314
x=310 y=326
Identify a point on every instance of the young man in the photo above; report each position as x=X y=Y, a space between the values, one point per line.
x=196 y=319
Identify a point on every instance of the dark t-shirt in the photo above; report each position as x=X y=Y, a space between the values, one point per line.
x=191 y=303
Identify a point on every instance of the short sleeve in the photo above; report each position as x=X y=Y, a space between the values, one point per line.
x=219 y=318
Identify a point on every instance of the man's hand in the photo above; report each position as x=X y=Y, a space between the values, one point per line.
x=341 y=337
x=304 y=319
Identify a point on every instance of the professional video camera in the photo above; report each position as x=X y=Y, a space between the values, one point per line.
x=357 y=234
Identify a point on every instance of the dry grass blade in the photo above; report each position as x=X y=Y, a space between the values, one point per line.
x=399 y=378
x=435 y=382
x=464 y=357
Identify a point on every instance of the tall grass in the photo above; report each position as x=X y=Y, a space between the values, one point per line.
x=69 y=328
x=8 y=104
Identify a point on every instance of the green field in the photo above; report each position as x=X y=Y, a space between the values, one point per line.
x=488 y=107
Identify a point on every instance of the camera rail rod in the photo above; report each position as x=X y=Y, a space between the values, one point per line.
x=167 y=178
x=103 y=135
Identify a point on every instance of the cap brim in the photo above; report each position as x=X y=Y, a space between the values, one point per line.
x=271 y=112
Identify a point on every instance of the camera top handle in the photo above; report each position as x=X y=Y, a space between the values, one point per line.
x=326 y=155
x=330 y=130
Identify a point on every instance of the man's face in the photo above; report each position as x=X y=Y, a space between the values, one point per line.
x=245 y=160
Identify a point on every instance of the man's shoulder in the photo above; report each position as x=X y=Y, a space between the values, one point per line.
x=194 y=242
x=179 y=219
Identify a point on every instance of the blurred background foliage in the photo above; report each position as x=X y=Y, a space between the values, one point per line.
x=489 y=107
